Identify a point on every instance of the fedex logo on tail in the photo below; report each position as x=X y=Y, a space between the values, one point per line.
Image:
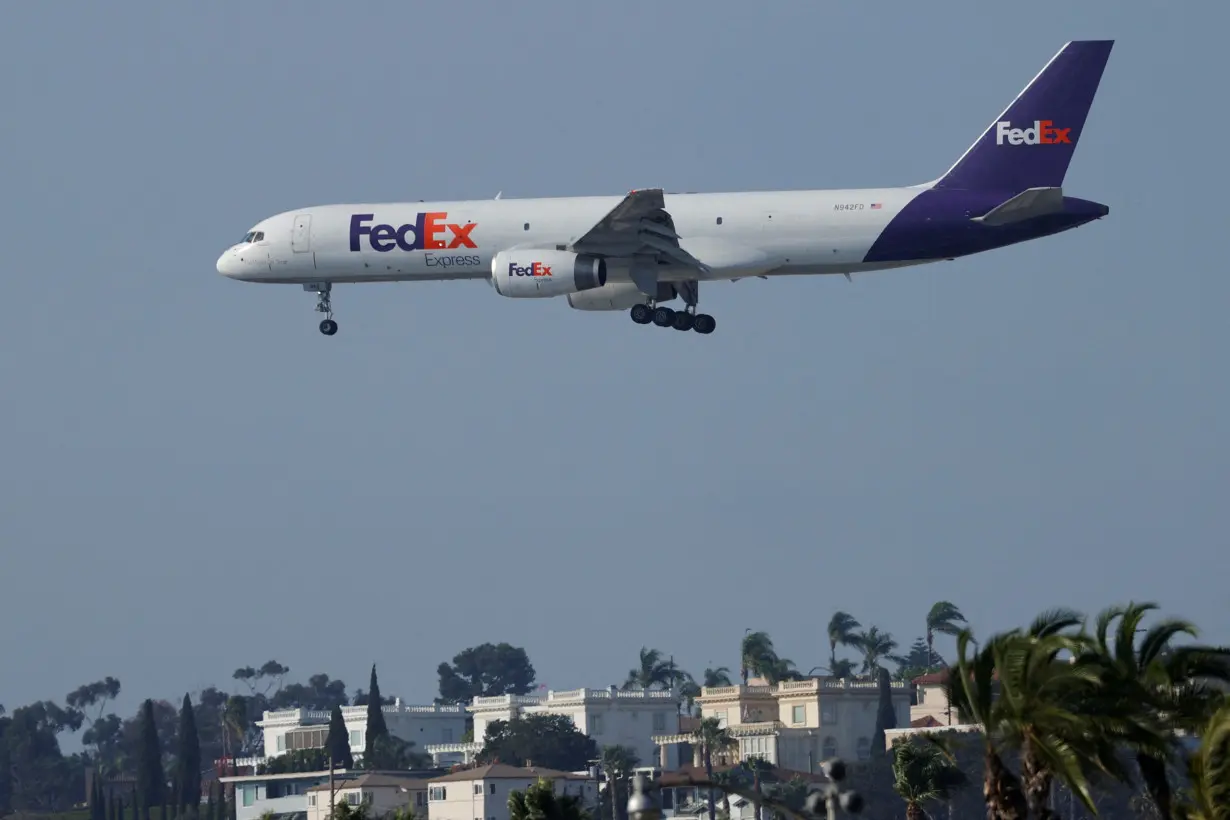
x=533 y=269
x=1043 y=132
x=419 y=235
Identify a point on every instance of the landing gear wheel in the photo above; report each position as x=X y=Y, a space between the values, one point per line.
x=684 y=320
x=328 y=327
x=704 y=323
x=641 y=314
x=663 y=317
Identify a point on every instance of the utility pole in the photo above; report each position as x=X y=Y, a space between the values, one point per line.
x=331 y=797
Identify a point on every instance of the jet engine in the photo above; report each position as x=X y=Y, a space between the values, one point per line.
x=617 y=296
x=533 y=273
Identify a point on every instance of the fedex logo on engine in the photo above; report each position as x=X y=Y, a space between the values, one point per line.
x=423 y=234
x=1043 y=132
x=532 y=269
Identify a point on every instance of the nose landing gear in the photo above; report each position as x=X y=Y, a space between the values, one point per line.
x=323 y=305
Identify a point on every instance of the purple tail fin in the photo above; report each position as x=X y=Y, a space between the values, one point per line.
x=1031 y=143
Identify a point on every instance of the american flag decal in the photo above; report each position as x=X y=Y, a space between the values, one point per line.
x=875 y=206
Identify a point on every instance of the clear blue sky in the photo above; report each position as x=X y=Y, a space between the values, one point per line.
x=194 y=479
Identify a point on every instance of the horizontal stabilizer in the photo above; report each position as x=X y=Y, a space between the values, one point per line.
x=1030 y=203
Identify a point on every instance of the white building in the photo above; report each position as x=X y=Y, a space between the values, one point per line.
x=381 y=792
x=292 y=729
x=282 y=795
x=610 y=716
x=482 y=793
x=797 y=724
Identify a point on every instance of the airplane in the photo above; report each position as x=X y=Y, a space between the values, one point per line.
x=635 y=253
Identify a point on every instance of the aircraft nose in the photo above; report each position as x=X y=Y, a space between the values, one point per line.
x=227 y=263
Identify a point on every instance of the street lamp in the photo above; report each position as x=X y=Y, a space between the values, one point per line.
x=825 y=802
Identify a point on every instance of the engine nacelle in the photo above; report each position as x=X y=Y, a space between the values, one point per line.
x=617 y=296
x=533 y=273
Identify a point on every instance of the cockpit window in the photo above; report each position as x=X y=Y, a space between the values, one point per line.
x=247 y=237
x=260 y=236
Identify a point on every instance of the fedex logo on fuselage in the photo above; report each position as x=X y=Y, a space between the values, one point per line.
x=532 y=269
x=420 y=235
x=1043 y=132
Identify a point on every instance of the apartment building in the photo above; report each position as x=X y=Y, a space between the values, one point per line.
x=482 y=793
x=610 y=716
x=292 y=729
x=797 y=724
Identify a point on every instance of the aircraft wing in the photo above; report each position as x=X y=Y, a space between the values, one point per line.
x=638 y=226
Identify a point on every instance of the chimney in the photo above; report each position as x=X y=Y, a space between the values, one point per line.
x=529 y=764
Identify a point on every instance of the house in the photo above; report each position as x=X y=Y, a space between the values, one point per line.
x=282 y=795
x=680 y=799
x=796 y=724
x=292 y=729
x=380 y=792
x=482 y=793
x=611 y=716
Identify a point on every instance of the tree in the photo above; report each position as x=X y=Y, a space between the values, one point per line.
x=876 y=646
x=1208 y=770
x=886 y=715
x=550 y=741
x=923 y=772
x=540 y=802
x=338 y=740
x=653 y=670
x=617 y=763
x=486 y=670
x=1174 y=688
x=712 y=739
x=188 y=761
x=714 y=678
x=944 y=618
x=757 y=655
x=377 y=729
x=151 y=779
x=841 y=631
x=270 y=671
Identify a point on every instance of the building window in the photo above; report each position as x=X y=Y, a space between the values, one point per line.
x=721 y=716
x=448 y=735
x=596 y=721
x=478 y=788
x=828 y=713
x=830 y=748
x=281 y=743
x=800 y=714
x=352 y=798
x=420 y=798
x=864 y=749
x=493 y=788
x=437 y=793
x=659 y=721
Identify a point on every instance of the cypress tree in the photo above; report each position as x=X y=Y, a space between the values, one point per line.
x=188 y=787
x=108 y=805
x=136 y=811
x=338 y=740
x=151 y=779
x=209 y=805
x=377 y=729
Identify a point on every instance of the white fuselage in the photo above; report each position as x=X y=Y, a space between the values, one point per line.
x=734 y=234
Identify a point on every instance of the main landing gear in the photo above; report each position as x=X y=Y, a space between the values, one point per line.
x=686 y=319
x=323 y=305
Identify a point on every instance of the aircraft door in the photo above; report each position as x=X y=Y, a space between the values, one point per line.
x=301 y=235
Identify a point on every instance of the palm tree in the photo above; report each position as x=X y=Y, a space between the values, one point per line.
x=1208 y=769
x=653 y=671
x=714 y=678
x=876 y=645
x=1062 y=717
x=759 y=771
x=922 y=773
x=540 y=802
x=712 y=739
x=841 y=631
x=944 y=618
x=1168 y=686
x=617 y=763
x=757 y=654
